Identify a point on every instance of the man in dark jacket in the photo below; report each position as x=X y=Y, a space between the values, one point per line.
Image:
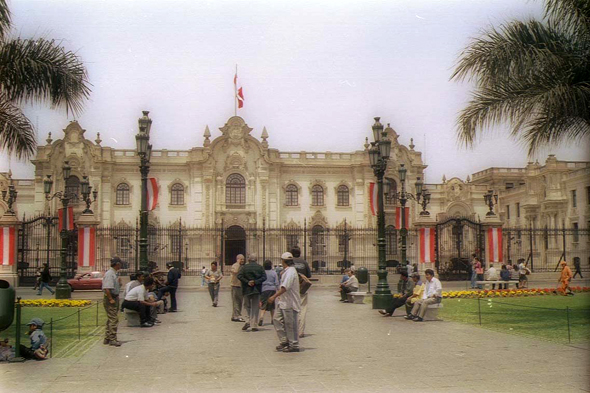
x=171 y=285
x=252 y=275
x=405 y=288
x=45 y=279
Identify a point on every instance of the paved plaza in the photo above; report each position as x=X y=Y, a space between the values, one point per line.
x=350 y=348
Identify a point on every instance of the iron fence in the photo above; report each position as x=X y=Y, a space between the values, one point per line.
x=544 y=248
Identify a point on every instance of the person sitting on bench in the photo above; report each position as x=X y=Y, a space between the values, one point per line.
x=505 y=276
x=492 y=275
x=350 y=285
x=405 y=288
x=432 y=295
x=136 y=300
x=417 y=293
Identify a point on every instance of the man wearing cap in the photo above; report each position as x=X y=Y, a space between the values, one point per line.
x=236 y=290
x=38 y=340
x=111 y=287
x=288 y=306
x=252 y=275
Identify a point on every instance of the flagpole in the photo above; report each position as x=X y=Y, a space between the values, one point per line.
x=236 y=93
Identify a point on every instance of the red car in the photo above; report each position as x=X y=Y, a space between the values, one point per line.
x=92 y=280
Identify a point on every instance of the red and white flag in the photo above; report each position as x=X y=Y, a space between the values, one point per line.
x=86 y=246
x=7 y=245
x=152 y=193
x=398 y=217
x=495 y=245
x=239 y=91
x=373 y=198
x=427 y=245
x=60 y=214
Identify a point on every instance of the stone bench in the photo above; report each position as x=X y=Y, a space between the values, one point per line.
x=132 y=318
x=497 y=282
x=357 y=297
x=432 y=312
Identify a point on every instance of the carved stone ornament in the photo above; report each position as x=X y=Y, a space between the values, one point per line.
x=318 y=219
x=236 y=130
x=235 y=161
x=456 y=190
x=292 y=225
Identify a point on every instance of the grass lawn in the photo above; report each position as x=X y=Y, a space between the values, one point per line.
x=65 y=326
x=542 y=316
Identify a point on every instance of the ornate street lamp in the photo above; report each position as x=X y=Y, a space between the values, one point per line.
x=86 y=189
x=378 y=157
x=9 y=196
x=490 y=199
x=422 y=197
x=144 y=151
x=62 y=290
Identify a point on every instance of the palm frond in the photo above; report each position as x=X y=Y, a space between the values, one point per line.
x=5 y=23
x=42 y=70
x=17 y=135
x=570 y=15
x=517 y=50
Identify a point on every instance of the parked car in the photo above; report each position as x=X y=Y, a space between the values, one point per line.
x=92 y=280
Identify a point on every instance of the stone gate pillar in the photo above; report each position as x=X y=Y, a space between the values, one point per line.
x=426 y=256
x=9 y=225
x=87 y=224
x=493 y=242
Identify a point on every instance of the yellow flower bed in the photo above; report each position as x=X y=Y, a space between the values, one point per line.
x=55 y=303
x=501 y=293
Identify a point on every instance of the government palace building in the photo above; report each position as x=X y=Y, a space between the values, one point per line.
x=240 y=182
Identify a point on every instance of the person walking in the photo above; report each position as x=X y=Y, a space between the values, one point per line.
x=171 y=286
x=479 y=272
x=111 y=287
x=236 y=290
x=288 y=307
x=577 y=267
x=203 y=273
x=564 y=279
x=252 y=275
x=304 y=272
x=473 y=272
x=213 y=276
x=270 y=286
x=45 y=279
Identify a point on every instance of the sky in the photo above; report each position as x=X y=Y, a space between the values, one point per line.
x=314 y=73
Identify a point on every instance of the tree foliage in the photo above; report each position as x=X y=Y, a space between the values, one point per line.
x=533 y=75
x=36 y=70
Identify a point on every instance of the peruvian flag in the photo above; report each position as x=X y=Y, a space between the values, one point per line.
x=152 y=193
x=495 y=244
x=373 y=198
x=86 y=246
x=70 y=224
x=398 y=217
x=7 y=245
x=427 y=245
x=240 y=92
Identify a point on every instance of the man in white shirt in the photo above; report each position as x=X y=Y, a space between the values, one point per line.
x=136 y=300
x=492 y=275
x=350 y=285
x=432 y=294
x=288 y=306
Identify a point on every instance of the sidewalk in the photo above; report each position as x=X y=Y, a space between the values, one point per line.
x=350 y=348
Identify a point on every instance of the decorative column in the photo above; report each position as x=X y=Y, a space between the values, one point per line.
x=9 y=225
x=493 y=241
x=426 y=227
x=87 y=224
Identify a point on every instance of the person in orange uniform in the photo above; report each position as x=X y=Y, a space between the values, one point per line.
x=564 y=279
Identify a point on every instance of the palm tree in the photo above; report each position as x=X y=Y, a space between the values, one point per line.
x=533 y=75
x=34 y=71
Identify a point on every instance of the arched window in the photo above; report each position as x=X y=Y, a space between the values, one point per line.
x=177 y=194
x=317 y=195
x=343 y=196
x=235 y=190
x=122 y=197
x=73 y=185
x=391 y=199
x=390 y=241
x=291 y=195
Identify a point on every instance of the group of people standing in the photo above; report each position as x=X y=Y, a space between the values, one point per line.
x=258 y=289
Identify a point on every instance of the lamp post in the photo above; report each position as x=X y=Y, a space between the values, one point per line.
x=422 y=197
x=62 y=290
x=9 y=196
x=378 y=157
x=85 y=190
x=144 y=150
x=490 y=199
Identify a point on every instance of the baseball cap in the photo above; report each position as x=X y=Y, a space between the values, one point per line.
x=37 y=322
x=287 y=256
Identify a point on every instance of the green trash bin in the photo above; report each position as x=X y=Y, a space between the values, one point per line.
x=7 y=295
x=362 y=274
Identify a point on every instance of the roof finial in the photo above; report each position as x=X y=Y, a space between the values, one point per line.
x=98 y=140
x=264 y=137
x=412 y=146
x=207 y=135
x=49 y=140
x=366 y=143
